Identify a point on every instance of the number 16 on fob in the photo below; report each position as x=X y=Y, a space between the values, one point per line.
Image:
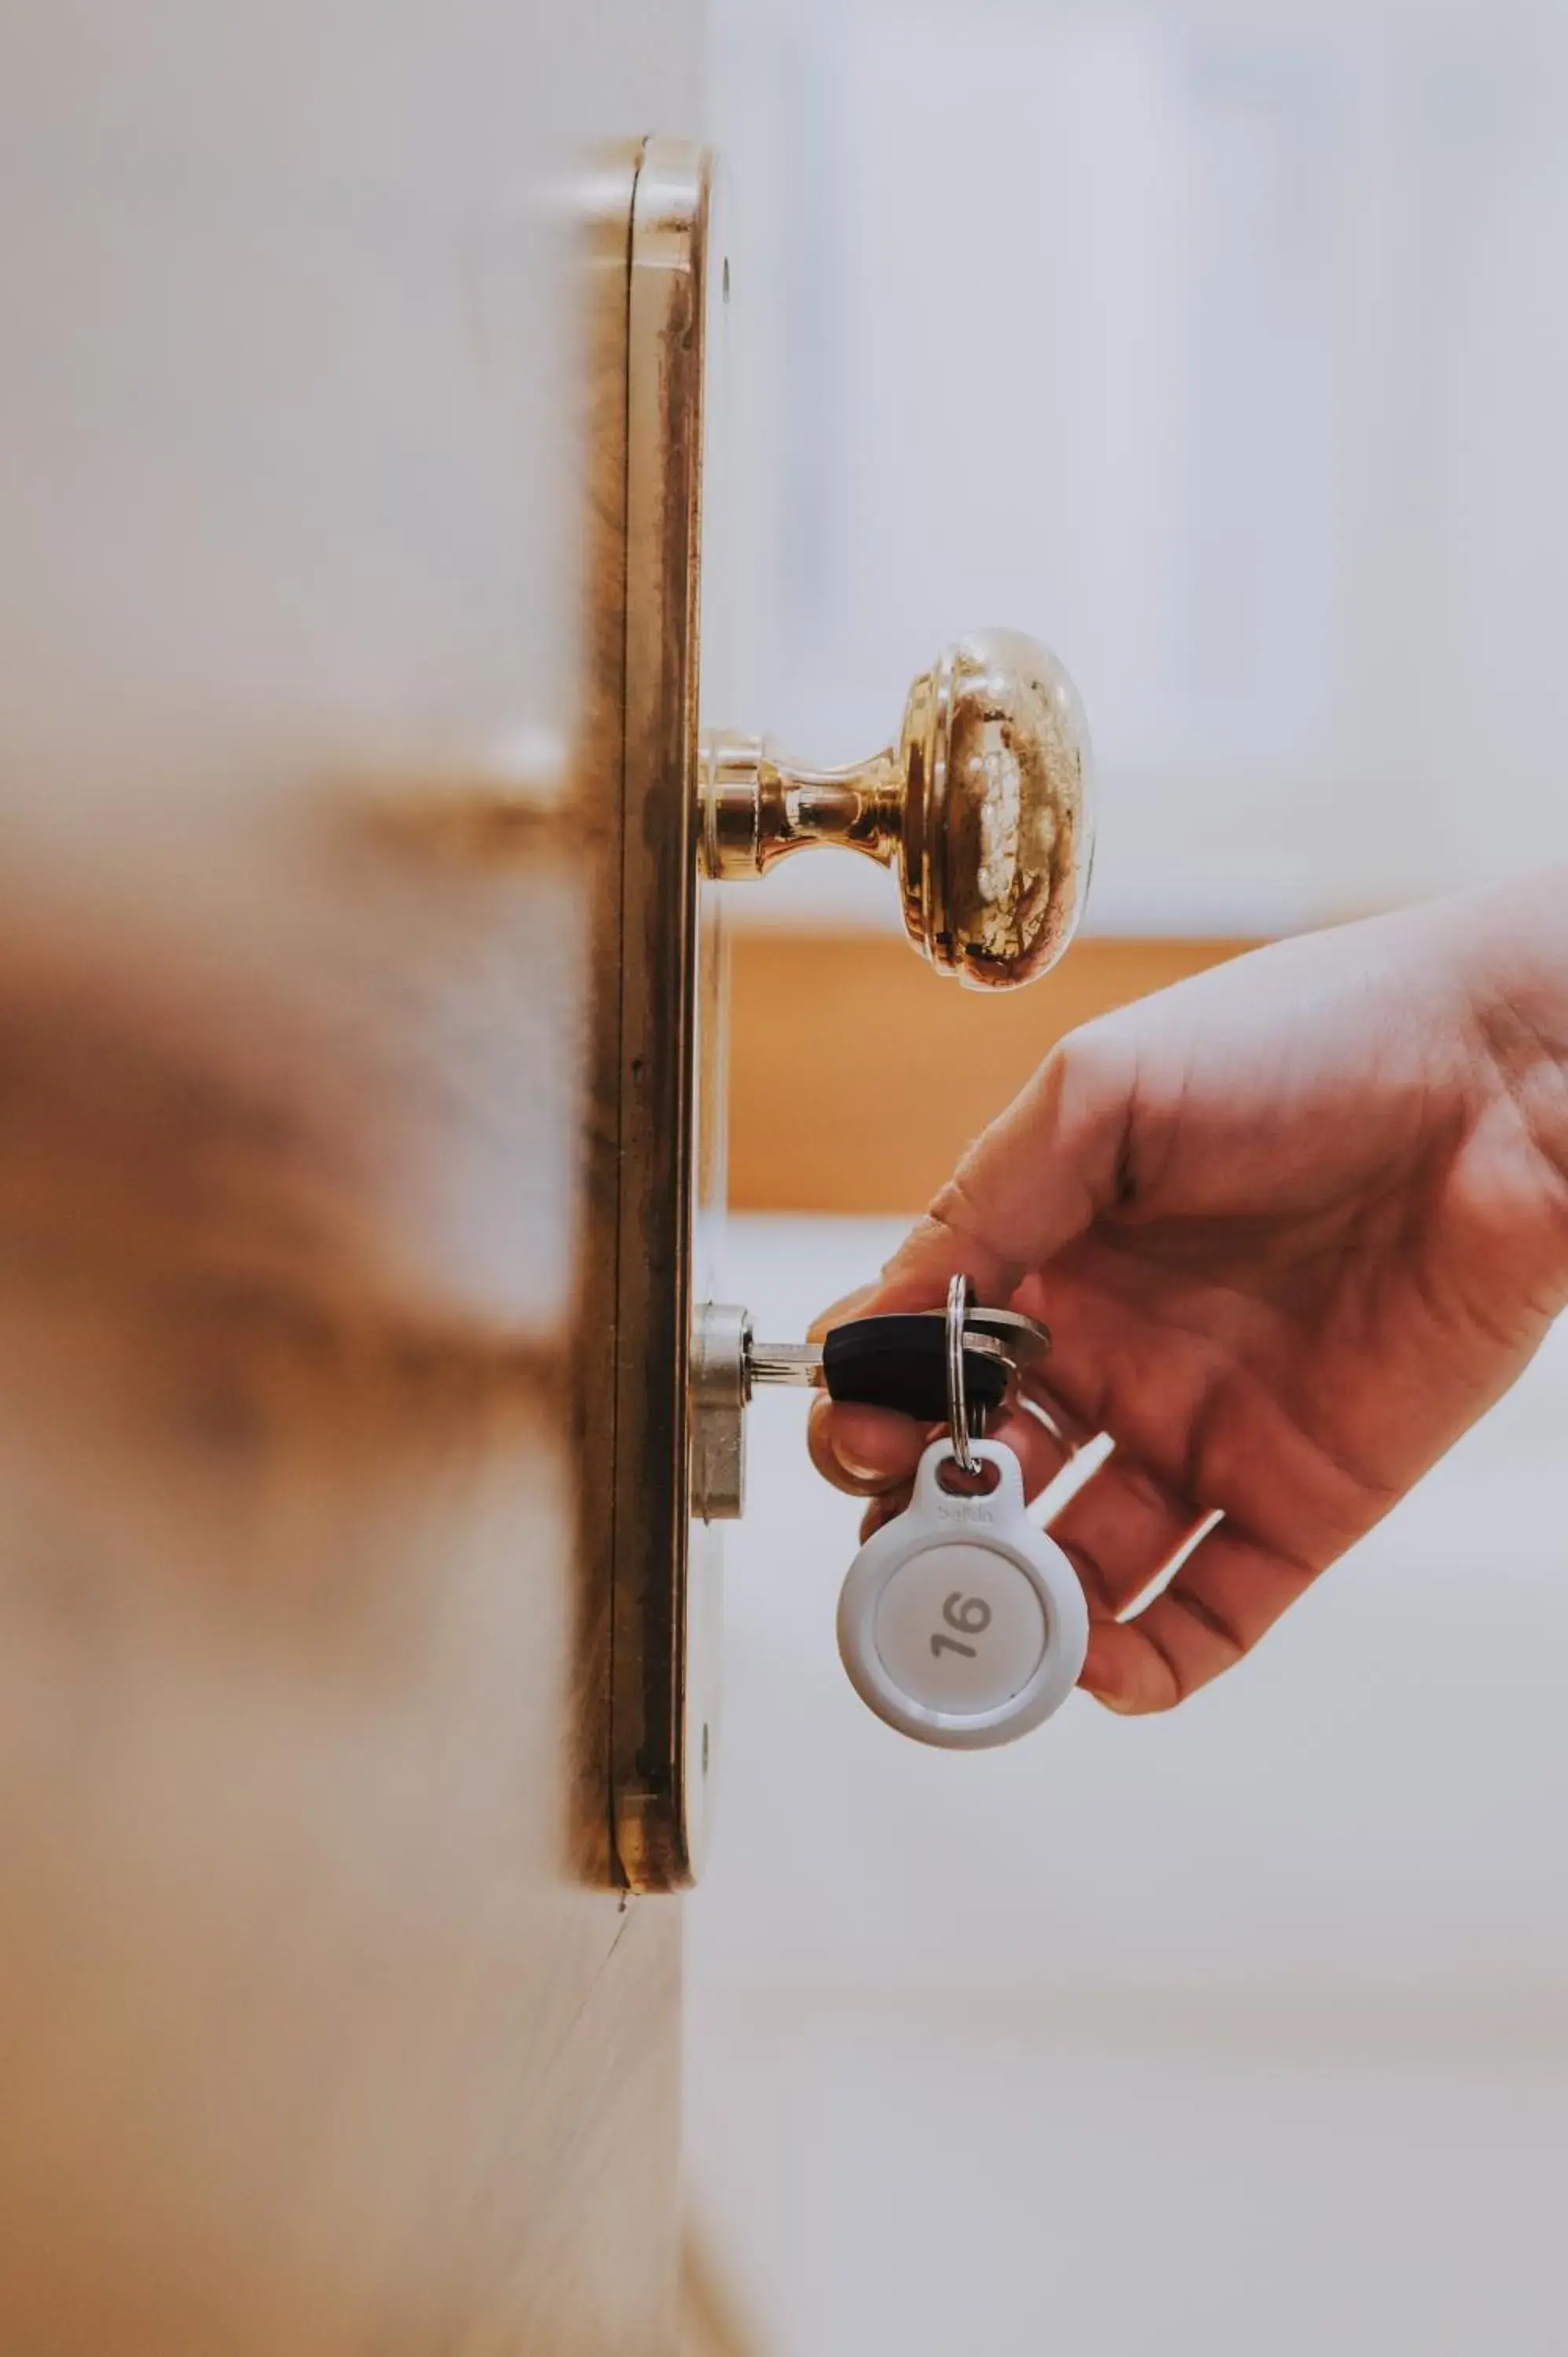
x=960 y=1622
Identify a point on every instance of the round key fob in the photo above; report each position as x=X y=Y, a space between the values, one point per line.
x=962 y=1622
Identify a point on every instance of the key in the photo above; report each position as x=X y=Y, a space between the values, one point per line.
x=900 y=1361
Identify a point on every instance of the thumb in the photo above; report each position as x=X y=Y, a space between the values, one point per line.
x=1031 y=1183
x=1028 y=1186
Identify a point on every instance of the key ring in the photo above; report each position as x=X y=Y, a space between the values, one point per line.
x=960 y=1293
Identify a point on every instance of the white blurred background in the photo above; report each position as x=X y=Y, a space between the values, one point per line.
x=1225 y=348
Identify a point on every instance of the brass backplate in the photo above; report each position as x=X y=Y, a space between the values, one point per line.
x=656 y=1135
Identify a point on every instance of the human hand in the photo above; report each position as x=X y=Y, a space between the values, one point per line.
x=1293 y=1225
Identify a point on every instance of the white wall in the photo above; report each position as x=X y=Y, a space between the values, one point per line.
x=1223 y=346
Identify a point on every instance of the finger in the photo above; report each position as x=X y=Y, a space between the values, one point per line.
x=870 y=1449
x=1041 y=1449
x=1228 y=1594
x=1121 y=1529
x=863 y=1449
x=1031 y=1182
x=840 y=1313
x=1038 y=1391
x=884 y=1509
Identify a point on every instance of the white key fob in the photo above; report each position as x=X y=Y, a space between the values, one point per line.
x=960 y=1622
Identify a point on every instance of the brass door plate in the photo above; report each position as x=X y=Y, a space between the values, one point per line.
x=983 y=803
x=657 y=1133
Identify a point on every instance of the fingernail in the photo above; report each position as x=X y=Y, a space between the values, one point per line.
x=858 y=1471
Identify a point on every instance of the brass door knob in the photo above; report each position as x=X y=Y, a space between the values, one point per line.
x=986 y=803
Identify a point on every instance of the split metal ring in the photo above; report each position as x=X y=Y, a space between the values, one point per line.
x=960 y=1293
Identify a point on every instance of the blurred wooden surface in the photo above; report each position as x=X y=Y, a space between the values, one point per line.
x=311 y=2036
x=318 y=2035
x=857 y=1076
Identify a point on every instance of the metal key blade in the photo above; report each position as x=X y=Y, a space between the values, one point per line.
x=1005 y=1333
x=787 y=1362
x=1020 y=1339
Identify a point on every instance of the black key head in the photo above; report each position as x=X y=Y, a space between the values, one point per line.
x=901 y=1362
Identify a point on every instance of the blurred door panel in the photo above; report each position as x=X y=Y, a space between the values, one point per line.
x=320 y=2031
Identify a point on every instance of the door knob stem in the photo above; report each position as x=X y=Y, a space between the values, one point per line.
x=758 y=806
